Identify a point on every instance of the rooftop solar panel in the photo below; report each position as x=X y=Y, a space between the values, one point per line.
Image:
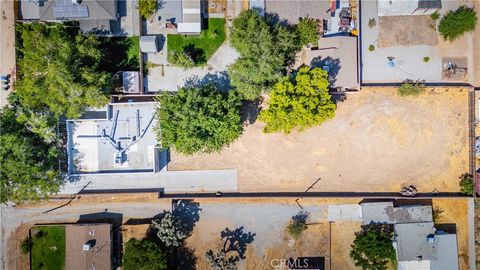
x=429 y=4
x=70 y=11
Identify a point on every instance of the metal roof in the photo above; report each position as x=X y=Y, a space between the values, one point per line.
x=414 y=241
x=428 y=4
x=148 y=44
x=384 y=212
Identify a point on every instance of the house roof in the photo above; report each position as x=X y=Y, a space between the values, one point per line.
x=407 y=7
x=384 y=212
x=191 y=17
x=96 y=10
x=292 y=10
x=412 y=241
x=338 y=55
x=98 y=239
x=122 y=142
x=447 y=252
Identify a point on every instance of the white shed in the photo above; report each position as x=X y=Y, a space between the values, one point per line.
x=192 y=20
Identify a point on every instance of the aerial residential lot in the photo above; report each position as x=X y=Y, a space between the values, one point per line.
x=376 y=142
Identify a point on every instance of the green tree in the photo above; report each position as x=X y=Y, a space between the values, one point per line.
x=59 y=71
x=170 y=230
x=411 y=88
x=298 y=224
x=307 y=31
x=372 y=248
x=265 y=48
x=198 y=119
x=143 y=255
x=28 y=164
x=146 y=8
x=467 y=185
x=299 y=102
x=456 y=23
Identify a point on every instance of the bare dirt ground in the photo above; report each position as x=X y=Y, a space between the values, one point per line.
x=406 y=31
x=376 y=142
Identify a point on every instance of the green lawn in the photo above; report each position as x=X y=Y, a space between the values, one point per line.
x=134 y=50
x=208 y=41
x=48 y=248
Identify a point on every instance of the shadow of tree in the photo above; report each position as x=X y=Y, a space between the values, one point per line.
x=188 y=211
x=236 y=240
x=219 y=79
x=251 y=110
x=332 y=66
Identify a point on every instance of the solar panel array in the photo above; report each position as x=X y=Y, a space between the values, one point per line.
x=67 y=9
x=429 y=4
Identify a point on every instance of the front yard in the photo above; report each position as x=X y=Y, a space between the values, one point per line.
x=203 y=45
x=48 y=248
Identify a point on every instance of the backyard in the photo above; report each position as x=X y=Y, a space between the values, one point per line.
x=377 y=142
x=203 y=45
x=48 y=247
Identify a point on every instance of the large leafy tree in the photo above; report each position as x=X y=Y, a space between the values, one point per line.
x=143 y=255
x=146 y=8
x=372 y=248
x=265 y=48
x=59 y=70
x=455 y=23
x=28 y=165
x=299 y=102
x=198 y=119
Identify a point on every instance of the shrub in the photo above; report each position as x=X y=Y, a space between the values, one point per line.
x=426 y=59
x=373 y=248
x=372 y=23
x=307 y=31
x=456 y=23
x=25 y=246
x=146 y=8
x=467 y=185
x=298 y=224
x=143 y=254
x=435 y=15
x=371 y=47
x=410 y=88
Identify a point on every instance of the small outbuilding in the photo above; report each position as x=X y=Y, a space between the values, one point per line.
x=149 y=44
x=191 y=18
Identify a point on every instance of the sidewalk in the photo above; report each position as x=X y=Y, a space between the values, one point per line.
x=7 y=44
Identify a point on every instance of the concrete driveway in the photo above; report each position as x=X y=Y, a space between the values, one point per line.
x=166 y=77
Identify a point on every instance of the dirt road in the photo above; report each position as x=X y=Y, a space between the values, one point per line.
x=376 y=142
x=7 y=44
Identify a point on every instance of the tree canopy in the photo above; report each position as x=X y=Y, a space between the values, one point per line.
x=146 y=8
x=307 y=31
x=299 y=102
x=373 y=249
x=28 y=165
x=456 y=23
x=265 y=47
x=198 y=119
x=143 y=255
x=59 y=70
x=467 y=185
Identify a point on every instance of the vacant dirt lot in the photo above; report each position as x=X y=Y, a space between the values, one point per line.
x=406 y=31
x=376 y=142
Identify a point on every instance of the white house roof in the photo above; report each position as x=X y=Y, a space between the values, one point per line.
x=191 y=17
x=125 y=130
